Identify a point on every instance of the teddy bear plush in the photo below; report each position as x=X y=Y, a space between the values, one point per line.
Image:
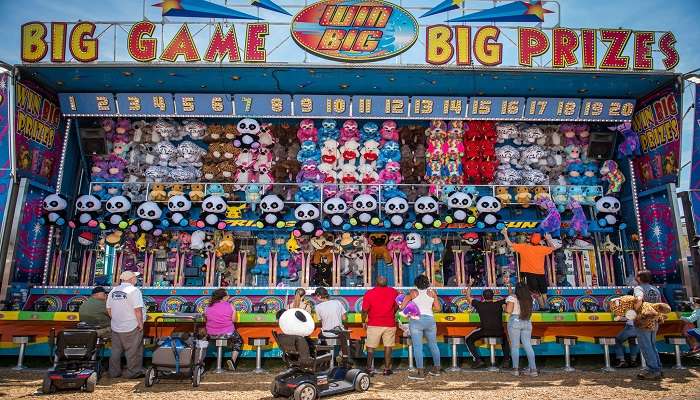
x=330 y=153
x=230 y=152
x=648 y=316
x=503 y=194
x=369 y=152
x=350 y=151
x=210 y=172
x=157 y=192
x=196 y=192
x=367 y=174
x=378 y=244
x=541 y=192
x=214 y=133
x=177 y=189
x=348 y=174
x=523 y=196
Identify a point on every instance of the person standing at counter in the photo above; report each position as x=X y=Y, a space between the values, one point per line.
x=125 y=308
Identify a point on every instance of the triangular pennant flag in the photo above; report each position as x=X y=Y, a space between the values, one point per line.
x=201 y=9
x=444 y=6
x=269 y=5
x=518 y=11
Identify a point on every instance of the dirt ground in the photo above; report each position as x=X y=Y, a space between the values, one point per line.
x=551 y=384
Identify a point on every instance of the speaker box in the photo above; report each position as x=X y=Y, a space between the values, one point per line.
x=602 y=145
x=93 y=140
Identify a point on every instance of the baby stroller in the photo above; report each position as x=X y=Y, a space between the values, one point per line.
x=309 y=375
x=77 y=359
x=180 y=355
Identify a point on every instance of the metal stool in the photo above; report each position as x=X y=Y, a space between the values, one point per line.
x=567 y=342
x=454 y=341
x=633 y=340
x=492 y=341
x=606 y=342
x=148 y=341
x=221 y=341
x=406 y=341
x=258 y=343
x=677 y=342
x=22 y=341
x=535 y=340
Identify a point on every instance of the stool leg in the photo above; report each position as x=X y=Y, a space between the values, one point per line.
x=219 y=358
x=607 y=368
x=258 y=360
x=492 y=357
x=333 y=357
x=20 y=358
x=643 y=361
x=567 y=359
x=678 y=357
x=411 y=368
x=454 y=367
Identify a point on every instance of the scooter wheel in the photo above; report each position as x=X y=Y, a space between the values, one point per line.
x=150 y=378
x=91 y=382
x=47 y=386
x=362 y=382
x=197 y=376
x=305 y=391
x=273 y=390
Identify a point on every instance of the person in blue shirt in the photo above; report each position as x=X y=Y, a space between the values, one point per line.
x=693 y=334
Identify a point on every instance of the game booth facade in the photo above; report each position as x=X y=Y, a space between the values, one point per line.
x=328 y=144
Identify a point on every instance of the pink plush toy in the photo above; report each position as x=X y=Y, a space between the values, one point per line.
x=398 y=243
x=389 y=132
x=411 y=310
x=307 y=131
x=349 y=131
x=568 y=131
x=392 y=172
x=245 y=159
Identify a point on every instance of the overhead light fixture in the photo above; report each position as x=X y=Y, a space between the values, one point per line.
x=695 y=78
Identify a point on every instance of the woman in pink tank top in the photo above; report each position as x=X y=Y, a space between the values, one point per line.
x=220 y=315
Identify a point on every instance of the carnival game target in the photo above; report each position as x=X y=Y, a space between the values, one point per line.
x=462 y=304
x=586 y=304
x=272 y=303
x=172 y=304
x=202 y=303
x=241 y=303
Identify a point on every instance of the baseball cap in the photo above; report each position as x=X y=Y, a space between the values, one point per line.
x=126 y=275
x=99 y=289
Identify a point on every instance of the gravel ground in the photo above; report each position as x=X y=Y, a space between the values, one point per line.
x=468 y=385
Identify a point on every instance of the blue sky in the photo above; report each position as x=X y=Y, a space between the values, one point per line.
x=680 y=16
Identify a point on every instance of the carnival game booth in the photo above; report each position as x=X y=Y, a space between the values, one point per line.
x=263 y=178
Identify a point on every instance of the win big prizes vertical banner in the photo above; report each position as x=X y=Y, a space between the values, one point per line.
x=5 y=167
x=695 y=163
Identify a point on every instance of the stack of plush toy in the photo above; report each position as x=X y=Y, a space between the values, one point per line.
x=445 y=150
x=413 y=154
x=111 y=167
x=479 y=160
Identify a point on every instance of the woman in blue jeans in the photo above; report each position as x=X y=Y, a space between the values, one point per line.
x=519 y=310
x=426 y=300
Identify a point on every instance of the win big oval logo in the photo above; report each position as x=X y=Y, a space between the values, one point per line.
x=354 y=30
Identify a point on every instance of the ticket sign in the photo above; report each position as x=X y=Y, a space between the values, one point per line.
x=203 y=104
x=502 y=108
x=607 y=109
x=438 y=107
x=145 y=104
x=543 y=108
x=321 y=106
x=380 y=106
x=262 y=105
x=86 y=104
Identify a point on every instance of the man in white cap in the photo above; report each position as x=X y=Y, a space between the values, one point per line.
x=125 y=308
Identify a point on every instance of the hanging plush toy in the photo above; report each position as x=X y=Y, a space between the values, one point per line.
x=117 y=216
x=309 y=152
x=427 y=209
x=53 y=210
x=178 y=211
x=411 y=310
x=552 y=220
x=608 y=213
x=578 y=224
x=396 y=212
x=307 y=131
x=391 y=151
x=389 y=132
x=349 y=131
x=148 y=219
x=366 y=209
x=213 y=210
x=335 y=214
x=87 y=210
x=560 y=196
x=329 y=131
x=611 y=173
x=488 y=208
x=248 y=131
x=630 y=144
x=307 y=192
x=369 y=153
x=307 y=220
x=391 y=172
x=370 y=131
x=271 y=211
x=398 y=243
x=459 y=206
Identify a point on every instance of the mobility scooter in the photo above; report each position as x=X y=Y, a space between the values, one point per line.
x=77 y=358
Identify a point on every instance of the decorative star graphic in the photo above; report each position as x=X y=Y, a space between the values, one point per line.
x=537 y=9
x=517 y=11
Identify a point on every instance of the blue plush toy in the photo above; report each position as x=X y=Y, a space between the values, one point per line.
x=560 y=195
x=471 y=190
x=575 y=172
x=309 y=151
x=389 y=190
x=370 y=131
x=216 y=188
x=592 y=193
x=391 y=151
x=308 y=192
x=263 y=246
x=590 y=173
x=329 y=130
x=577 y=193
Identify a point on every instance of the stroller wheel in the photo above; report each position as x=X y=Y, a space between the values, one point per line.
x=305 y=391
x=150 y=377
x=197 y=375
x=91 y=382
x=362 y=382
x=47 y=386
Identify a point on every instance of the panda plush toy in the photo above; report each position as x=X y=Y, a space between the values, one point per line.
x=307 y=220
x=248 y=134
x=427 y=211
x=179 y=208
x=271 y=212
x=608 y=213
x=117 y=216
x=213 y=210
x=53 y=210
x=148 y=219
x=396 y=213
x=366 y=209
x=335 y=212
x=459 y=206
x=488 y=208
x=87 y=212
x=296 y=322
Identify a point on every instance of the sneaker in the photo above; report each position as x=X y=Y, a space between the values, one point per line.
x=650 y=376
x=533 y=373
x=435 y=371
x=478 y=364
x=515 y=372
x=417 y=375
x=387 y=372
x=622 y=364
x=230 y=366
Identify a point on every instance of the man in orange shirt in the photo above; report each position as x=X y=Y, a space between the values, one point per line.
x=532 y=256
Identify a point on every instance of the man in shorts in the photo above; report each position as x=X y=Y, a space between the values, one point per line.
x=379 y=321
x=332 y=314
x=532 y=259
